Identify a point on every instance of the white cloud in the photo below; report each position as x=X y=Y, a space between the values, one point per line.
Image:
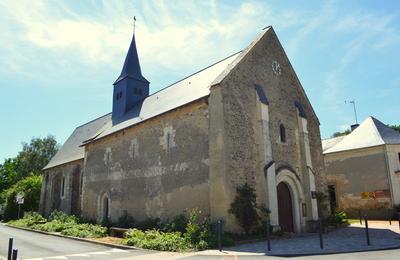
x=162 y=37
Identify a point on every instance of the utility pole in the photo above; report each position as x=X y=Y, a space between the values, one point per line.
x=354 y=107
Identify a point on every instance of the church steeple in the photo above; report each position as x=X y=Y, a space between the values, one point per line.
x=131 y=87
x=131 y=66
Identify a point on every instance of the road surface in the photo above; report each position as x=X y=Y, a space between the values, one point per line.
x=36 y=246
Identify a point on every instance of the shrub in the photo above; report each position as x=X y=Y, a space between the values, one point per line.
x=245 y=208
x=156 y=240
x=53 y=226
x=85 y=230
x=179 y=224
x=62 y=217
x=339 y=218
x=196 y=234
x=30 y=219
x=199 y=233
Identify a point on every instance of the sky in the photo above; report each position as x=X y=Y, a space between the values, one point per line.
x=58 y=59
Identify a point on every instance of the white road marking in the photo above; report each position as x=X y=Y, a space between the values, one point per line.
x=88 y=254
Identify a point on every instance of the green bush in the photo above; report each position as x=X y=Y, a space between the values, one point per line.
x=85 y=230
x=30 y=219
x=339 y=218
x=53 y=226
x=245 y=209
x=60 y=222
x=30 y=187
x=156 y=240
x=179 y=224
x=62 y=217
x=197 y=234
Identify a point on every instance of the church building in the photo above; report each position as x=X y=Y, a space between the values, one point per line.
x=244 y=119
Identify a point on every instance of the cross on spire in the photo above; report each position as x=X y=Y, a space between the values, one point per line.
x=134 y=24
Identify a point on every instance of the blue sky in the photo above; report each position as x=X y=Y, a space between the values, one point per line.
x=58 y=59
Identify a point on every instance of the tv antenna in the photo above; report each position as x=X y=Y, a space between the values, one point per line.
x=354 y=107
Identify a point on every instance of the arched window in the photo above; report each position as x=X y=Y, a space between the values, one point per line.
x=105 y=208
x=282 y=132
x=62 y=187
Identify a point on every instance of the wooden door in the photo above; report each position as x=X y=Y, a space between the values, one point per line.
x=285 y=208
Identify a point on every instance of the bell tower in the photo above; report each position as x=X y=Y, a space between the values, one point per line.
x=131 y=87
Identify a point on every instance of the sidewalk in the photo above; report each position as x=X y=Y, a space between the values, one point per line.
x=348 y=239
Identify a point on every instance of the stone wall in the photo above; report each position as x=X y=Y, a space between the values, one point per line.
x=235 y=126
x=357 y=175
x=51 y=197
x=158 y=168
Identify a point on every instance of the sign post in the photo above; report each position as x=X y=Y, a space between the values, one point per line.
x=20 y=200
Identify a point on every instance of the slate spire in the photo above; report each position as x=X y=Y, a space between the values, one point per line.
x=131 y=66
x=130 y=88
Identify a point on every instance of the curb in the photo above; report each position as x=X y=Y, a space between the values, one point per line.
x=77 y=238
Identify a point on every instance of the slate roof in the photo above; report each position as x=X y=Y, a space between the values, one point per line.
x=187 y=90
x=71 y=149
x=371 y=132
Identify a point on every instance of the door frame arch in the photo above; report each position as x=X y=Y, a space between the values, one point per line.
x=296 y=192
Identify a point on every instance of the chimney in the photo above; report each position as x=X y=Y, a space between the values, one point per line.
x=353 y=127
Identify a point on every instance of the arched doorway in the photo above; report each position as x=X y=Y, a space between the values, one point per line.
x=285 y=210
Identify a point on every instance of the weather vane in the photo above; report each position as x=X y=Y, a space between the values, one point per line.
x=354 y=107
x=134 y=24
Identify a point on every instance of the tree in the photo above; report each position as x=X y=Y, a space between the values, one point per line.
x=18 y=174
x=35 y=155
x=346 y=132
x=337 y=134
x=395 y=127
x=30 y=187
x=8 y=174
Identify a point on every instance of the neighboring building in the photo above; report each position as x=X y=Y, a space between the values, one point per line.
x=363 y=169
x=244 y=119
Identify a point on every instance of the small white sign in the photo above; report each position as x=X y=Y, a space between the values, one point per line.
x=19 y=198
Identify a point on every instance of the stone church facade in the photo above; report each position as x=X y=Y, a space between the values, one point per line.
x=244 y=119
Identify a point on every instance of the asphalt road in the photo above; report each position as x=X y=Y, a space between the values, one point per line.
x=35 y=246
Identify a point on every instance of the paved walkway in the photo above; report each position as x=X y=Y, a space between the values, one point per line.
x=348 y=239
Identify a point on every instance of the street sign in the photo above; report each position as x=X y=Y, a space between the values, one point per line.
x=19 y=198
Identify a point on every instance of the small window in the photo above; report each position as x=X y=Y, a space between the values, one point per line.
x=81 y=188
x=399 y=157
x=282 y=132
x=62 y=187
x=168 y=140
